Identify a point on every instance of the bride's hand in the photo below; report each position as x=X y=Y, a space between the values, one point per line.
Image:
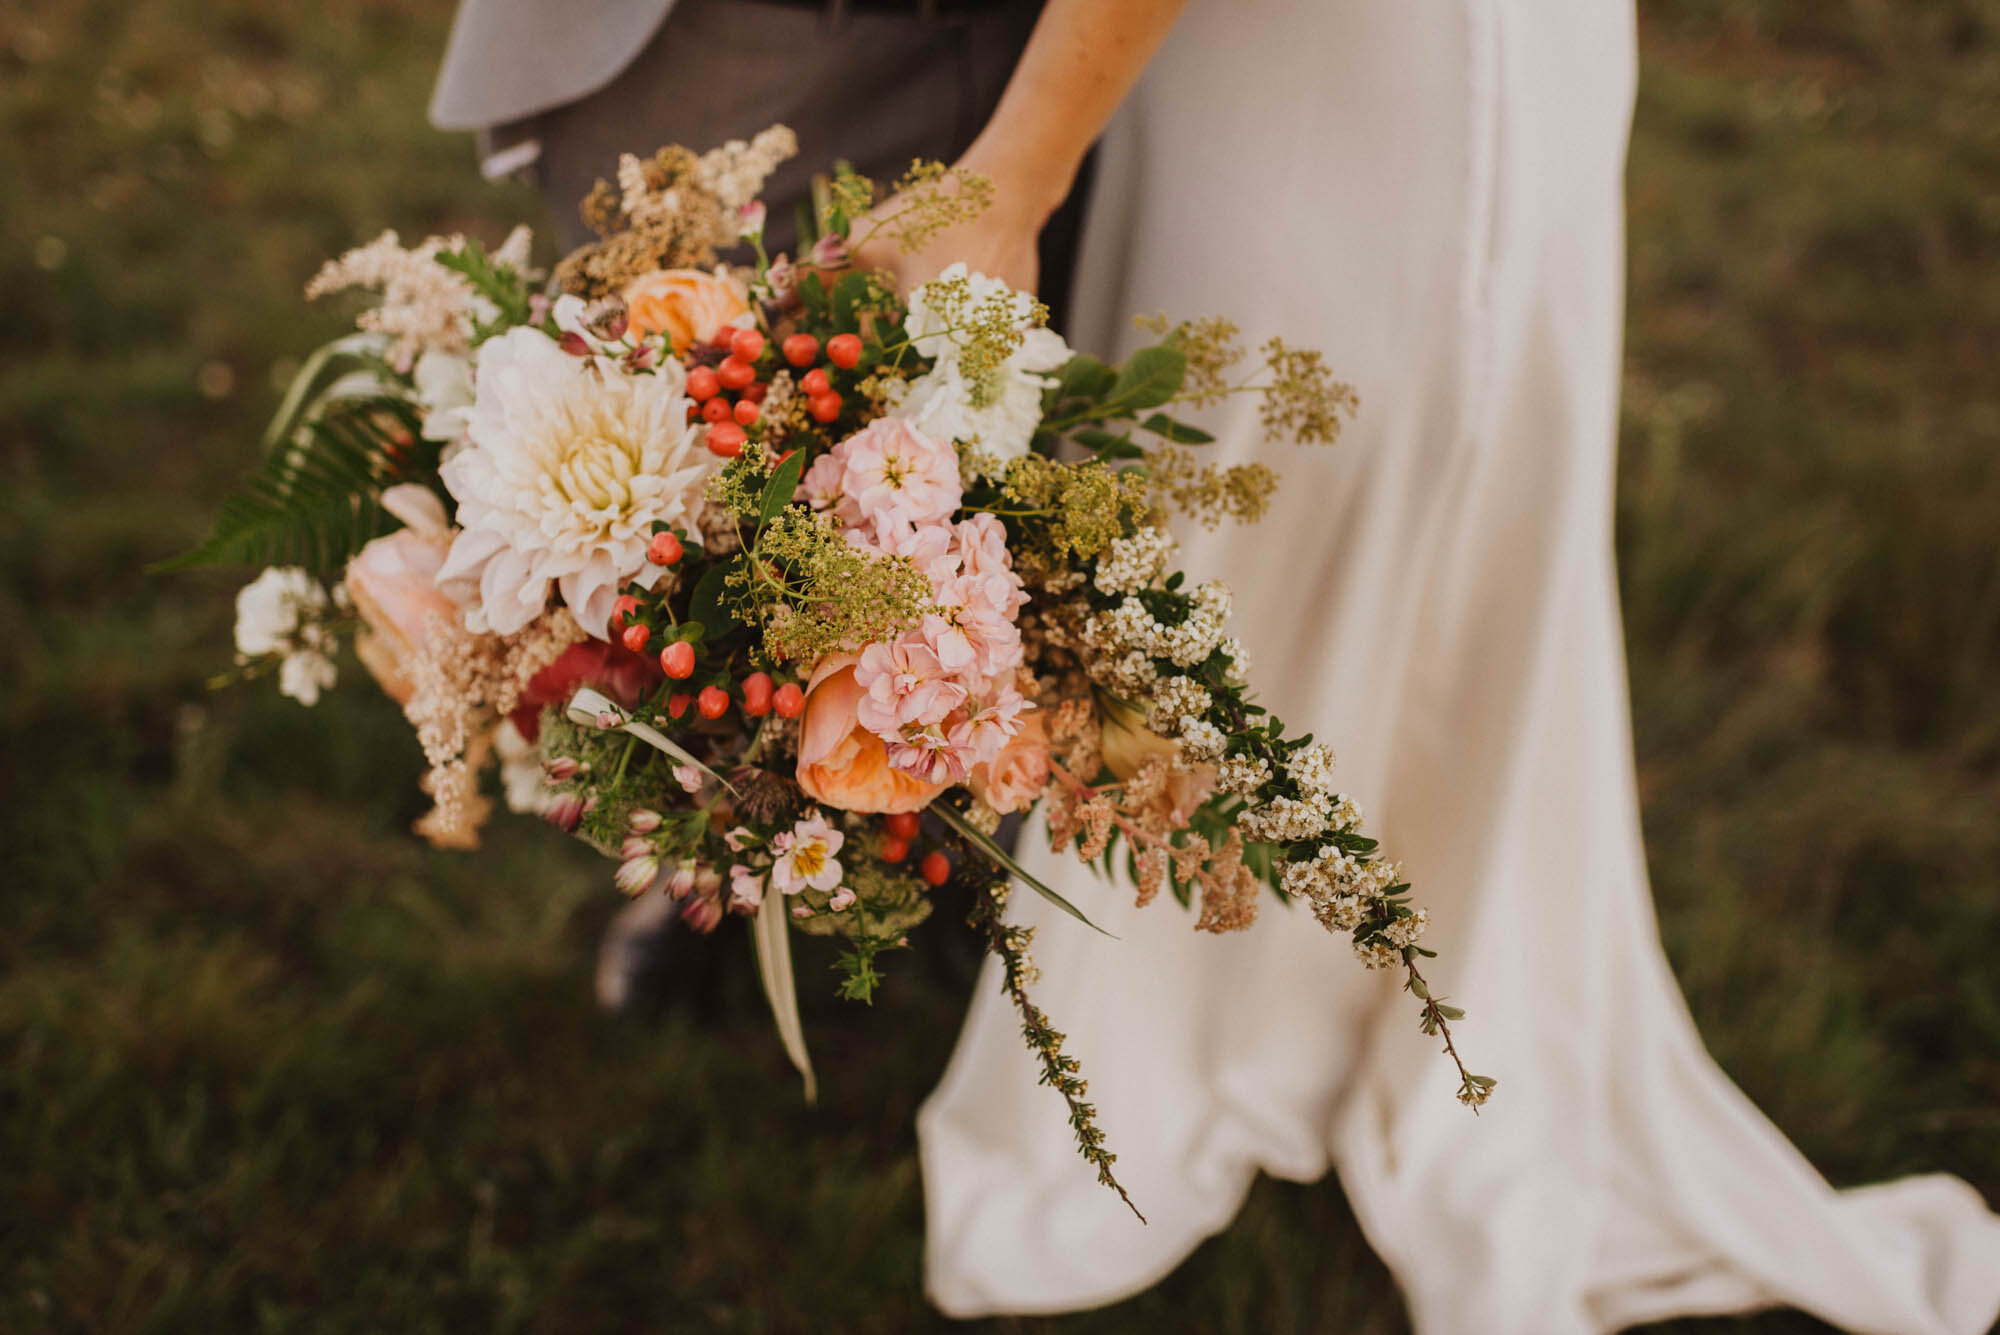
x=999 y=242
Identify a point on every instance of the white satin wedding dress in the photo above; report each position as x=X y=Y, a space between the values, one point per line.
x=1431 y=191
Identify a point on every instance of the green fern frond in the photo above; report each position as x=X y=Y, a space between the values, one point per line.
x=316 y=501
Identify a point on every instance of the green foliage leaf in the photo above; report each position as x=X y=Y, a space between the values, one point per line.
x=707 y=604
x=502 y=284
x=849 y=292
x=779 y=490
x=1180 y=433
x=1108 y=445
x=978 y=838
x=1085 y=377
x=1149 y=378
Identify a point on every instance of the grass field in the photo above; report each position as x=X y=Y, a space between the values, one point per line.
x=267 y=1063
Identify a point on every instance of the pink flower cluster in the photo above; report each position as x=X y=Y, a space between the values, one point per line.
x=941 y=698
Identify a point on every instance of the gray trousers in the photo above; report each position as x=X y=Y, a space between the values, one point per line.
x=874 y=86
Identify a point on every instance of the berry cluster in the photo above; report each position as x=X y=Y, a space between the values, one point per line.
x=729 y=395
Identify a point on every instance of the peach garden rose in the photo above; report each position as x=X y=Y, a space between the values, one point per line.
x=842 y=763
x=688 y=306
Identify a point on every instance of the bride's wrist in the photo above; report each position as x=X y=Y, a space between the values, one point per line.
x=1027 y=184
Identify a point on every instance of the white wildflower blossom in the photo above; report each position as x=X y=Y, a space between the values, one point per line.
x=994 y=407
x=282 y=613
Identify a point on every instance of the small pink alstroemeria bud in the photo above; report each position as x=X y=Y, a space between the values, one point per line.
x=634 y=847
x=782 y=278
x=574 y=344
x=702 y=914
x=643 y=820
x=566 y=812
x=681 y=884
x=829 y=252
x=750 y=221
x=636 y=874
x=559 y=768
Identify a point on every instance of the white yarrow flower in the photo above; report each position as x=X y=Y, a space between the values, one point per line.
x=567 y=467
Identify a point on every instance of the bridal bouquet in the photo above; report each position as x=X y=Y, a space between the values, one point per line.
x=781 y=588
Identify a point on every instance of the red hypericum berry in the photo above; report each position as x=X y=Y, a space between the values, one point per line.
x=903 y=825
x=814 y=383
x=844 y=351
x=789 y=700
x=634 y=637
x=747 y=344
x=624 y=607
x=757 y=694
x=824 y=407
x=712 y=703
x=800 y=349
x=935 y=868
x=735 y=373
x=677 y=660
x=726 y=439
x=715 y=410
x=894 y=849
x=746 y=412
x=664 y=549
x=703 y=383
x=755 y=393
x=677 y=705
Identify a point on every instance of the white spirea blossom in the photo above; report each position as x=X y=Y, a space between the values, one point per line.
x=282 y=612
x=568 y=465
x=1176 y=699
x=995 y=408
x=1311 y=768
x=1134 y=563
x=1378 y=954
x=1201 y=740
x=1242 y=775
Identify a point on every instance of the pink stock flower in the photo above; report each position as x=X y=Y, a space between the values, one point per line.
x=929 y=755
x=972 y=631
x=988 y=725
x=821 y=485
x=899 y=478
x=904 y=684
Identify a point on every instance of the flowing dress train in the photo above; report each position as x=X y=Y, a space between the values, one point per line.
x=1431 y=190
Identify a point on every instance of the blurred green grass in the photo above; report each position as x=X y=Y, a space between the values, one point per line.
x=268 y=1063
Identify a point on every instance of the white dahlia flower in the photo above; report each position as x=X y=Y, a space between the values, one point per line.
x=568 y=464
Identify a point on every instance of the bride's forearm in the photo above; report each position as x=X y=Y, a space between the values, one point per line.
x=1081 y=60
